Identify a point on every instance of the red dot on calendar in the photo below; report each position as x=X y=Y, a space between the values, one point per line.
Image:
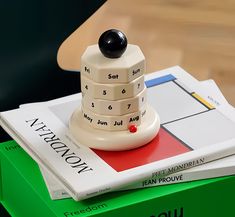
x=132 y=128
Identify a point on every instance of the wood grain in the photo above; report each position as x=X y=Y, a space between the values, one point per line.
x=197 y=35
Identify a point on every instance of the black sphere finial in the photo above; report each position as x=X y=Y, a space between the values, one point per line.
x=112 y=43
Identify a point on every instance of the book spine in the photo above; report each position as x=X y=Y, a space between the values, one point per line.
x=58 y=192
x=185 y=176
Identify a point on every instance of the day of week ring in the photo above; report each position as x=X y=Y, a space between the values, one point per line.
x=123 y=70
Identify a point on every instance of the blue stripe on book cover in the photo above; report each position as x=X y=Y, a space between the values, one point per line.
x=160 y=80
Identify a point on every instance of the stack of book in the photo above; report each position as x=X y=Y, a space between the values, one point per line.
x=196 y=142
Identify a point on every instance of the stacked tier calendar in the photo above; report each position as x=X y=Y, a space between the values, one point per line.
x=114 y=114
x=117 y=99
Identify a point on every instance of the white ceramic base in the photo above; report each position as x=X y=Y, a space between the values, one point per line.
x=114 y=140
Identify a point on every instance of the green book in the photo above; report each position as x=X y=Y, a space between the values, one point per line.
x=24 y=194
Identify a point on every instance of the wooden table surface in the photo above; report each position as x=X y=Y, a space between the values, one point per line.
x=197 y=35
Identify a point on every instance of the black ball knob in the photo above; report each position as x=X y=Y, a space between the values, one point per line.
x=112 y=43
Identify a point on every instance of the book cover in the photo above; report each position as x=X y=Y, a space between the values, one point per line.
x=188 y=137
x=23 y=193
x=217 y=168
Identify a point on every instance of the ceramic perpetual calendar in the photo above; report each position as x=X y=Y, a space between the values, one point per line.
x=114 y=114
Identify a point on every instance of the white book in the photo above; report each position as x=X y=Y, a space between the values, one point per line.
x=193 y=132
x=217 y=168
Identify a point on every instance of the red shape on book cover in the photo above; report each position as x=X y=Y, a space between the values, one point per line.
x=164 y=145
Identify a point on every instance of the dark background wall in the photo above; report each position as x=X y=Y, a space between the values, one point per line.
x=31 y=33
